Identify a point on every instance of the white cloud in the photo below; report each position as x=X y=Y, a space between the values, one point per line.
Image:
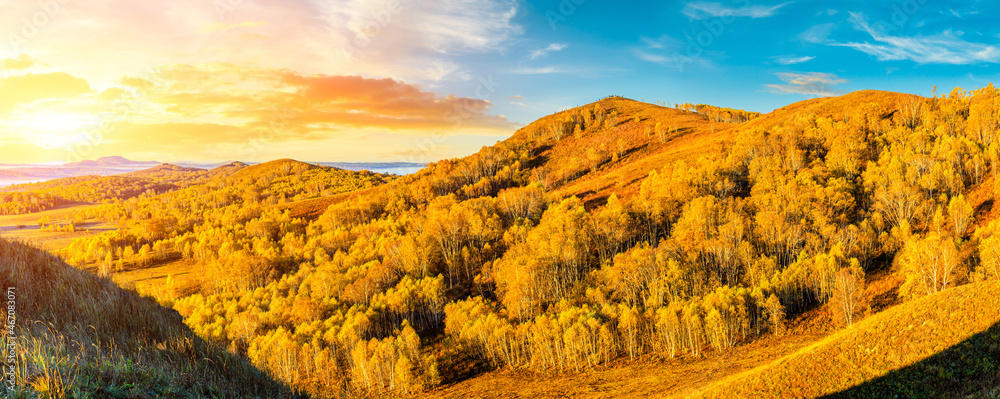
x=812 y=84
x=539 y=70
x=413 y=40
x=654 y=58
x=706 y=9
x=671 y=52
x=545 y=51
x=417 y=39
x=944 y=48
x=444 y=26
x=791 y=59
x=817 y=33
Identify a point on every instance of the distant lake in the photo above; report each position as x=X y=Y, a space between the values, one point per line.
x=401 y=170
x=397 y=171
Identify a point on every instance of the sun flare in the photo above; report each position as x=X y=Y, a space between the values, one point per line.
x=53 y=130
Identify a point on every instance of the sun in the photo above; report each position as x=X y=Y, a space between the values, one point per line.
x=53 y=129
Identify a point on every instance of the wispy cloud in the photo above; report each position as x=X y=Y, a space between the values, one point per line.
x=586 y=71
x=545 y=51
x=817 y=33
x=706 y=9
x=791 y=59
x=221 y=26
x=945 y=48
x=812 y=84
x=546 y=70
x=668 y=51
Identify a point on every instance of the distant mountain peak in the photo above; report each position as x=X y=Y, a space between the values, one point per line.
x=109 y=161
x=114 y=159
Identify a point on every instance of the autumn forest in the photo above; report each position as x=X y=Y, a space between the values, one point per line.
x=606 y=235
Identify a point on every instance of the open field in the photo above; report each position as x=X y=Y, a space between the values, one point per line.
x=165 y=281
x=11 y=227
x=174 y=279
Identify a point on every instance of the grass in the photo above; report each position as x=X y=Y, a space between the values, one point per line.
x=164 y=282
x=82 y=336
x=690 y=136
x=942 y=345
x=646 y=377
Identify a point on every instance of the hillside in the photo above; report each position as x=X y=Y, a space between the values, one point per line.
x=642 y=147
x=182 y=176
x=77 y=335
x=942 y=345
x=594 y=245
x=631 y=140
x=621 y=230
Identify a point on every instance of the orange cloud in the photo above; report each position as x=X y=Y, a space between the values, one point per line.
x=222 y=111
x=312 y=103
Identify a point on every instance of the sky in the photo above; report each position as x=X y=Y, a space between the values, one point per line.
x=424 y=80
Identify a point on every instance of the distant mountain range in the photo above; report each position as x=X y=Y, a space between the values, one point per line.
x=107 y=166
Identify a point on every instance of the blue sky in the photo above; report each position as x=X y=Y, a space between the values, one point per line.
x=743 y=54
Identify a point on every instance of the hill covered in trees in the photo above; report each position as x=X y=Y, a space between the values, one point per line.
x=601 y=234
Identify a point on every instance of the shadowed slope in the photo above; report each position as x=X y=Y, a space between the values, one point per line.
x=81 y=336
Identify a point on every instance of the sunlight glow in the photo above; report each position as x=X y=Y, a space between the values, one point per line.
x=54 y=130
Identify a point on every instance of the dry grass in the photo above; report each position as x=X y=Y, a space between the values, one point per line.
x=81 y=336
x=689 y=136
x=646 y=377
x=925 y=348
x=165 y=282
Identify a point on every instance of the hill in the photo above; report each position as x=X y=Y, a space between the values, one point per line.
x=165 y=168
x=942 y=345
x=182 y=176
x=115 y=161
x=77 y=335
x=272 y=168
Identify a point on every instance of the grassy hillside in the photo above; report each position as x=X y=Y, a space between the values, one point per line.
x=634 y=139
x=942 y=345
x=81 y=336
